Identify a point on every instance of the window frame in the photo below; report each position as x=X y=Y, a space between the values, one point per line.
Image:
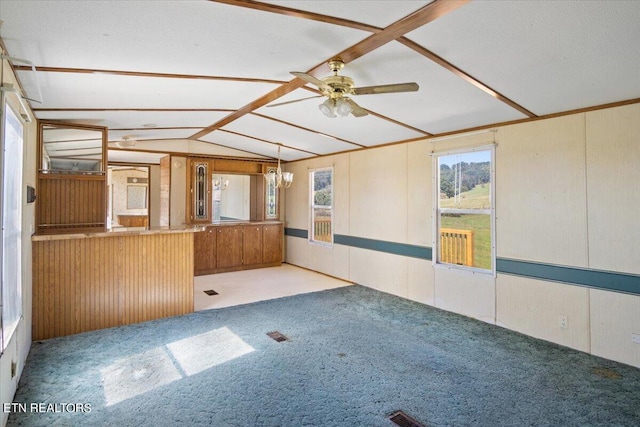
x=7 y=335
x=437 y=210
x=312 y=207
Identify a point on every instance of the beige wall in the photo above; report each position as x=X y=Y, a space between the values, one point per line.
x=154 y=195
x=178 y=191
x=19 y=345
x=565 y=192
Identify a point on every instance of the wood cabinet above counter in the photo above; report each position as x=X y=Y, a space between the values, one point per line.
x=237 y=246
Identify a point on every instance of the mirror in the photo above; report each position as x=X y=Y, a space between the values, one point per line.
x=128 y=195
x=72 y=149
x=231 y=197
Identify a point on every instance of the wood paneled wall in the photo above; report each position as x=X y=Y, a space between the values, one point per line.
x=84 y=284
x=71 y=202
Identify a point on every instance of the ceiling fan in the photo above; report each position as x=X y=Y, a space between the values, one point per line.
x=338 y=88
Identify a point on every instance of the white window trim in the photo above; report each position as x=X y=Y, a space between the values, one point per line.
x=435 y=243
x=6 y=108
x=311 y=207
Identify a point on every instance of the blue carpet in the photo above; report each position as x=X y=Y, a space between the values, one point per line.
x=353 y=357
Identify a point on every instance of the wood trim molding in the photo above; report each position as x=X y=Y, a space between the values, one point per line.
x=146 y=74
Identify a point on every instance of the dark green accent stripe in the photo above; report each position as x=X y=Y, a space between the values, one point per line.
x=296 y=232
x=404 y=249
x=609 y=280
x=599 y=279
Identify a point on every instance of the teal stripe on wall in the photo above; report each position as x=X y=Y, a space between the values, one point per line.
x=404 y=249
x=600 y=279
x=296 y=232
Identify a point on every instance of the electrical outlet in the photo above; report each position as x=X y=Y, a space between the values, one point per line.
x=563 y=322
x=635 y=338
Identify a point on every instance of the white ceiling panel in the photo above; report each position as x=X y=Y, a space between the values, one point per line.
x=66 y=90
x=149 y=134
x=442 y=104
x=371 y=12
x=131 y=119
x=120 y=156
x=193 y=37
x=277 y=132
x=251 y=145
x=548 y=56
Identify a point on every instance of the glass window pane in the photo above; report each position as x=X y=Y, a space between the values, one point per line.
x=465 y=239
x=321 y=194
x=12 y=147
x=465 y=180
x=322 y=188
x=322 y=224
x=464 y=210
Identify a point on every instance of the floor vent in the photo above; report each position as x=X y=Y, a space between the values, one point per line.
x=211 y=292
x=401 y=419
x=277 y=336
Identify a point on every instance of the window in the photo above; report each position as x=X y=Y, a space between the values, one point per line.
x=321 y=196
x=465 y=206
x=11 y=224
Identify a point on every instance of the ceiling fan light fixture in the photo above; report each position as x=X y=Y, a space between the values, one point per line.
x=343 y=108
x=328 y=108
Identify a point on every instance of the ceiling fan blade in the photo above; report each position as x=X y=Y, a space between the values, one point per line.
x=356 y=110
x=308 y=78
x=392 y=88
x=295 y=100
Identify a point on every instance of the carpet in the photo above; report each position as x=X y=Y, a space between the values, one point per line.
x=352 y=357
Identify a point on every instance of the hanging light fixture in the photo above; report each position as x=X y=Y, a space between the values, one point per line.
x=343 y=107
x=279 y=178
x=339 y=105
x=221 y=183
x=327 y=108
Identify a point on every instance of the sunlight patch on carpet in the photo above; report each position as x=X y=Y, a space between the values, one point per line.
x=200 y=352
x=142 y=372
x=137 y=374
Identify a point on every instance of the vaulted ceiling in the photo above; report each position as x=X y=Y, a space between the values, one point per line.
x=200 y=76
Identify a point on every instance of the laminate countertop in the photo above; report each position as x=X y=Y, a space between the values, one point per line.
x=128 y=231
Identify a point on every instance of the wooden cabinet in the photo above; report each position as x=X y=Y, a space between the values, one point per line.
x=204 y=247
x=252 y=244
x=222 y=248
x=272 y=243
x=228 y=246
x=133 y=220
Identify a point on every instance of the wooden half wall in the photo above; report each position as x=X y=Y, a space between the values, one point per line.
x=83 y=283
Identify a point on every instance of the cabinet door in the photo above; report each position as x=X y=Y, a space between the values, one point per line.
x=228 y=246
x=204 y=260
x=272 y=243
x=252 y=244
